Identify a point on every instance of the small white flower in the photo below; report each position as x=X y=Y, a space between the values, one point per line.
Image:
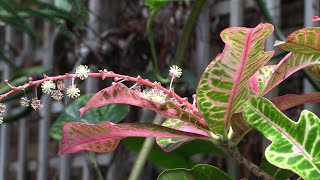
x=73 y=91
x=2 y=109
x=82 y=71
x=155 y=95
x=24 y=101
x=175 y=71
x=1 y=119
x=48 y=86
x=36 y=104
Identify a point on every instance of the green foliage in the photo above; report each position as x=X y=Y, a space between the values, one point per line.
x=200 y=171
x=156 y=4
x=275 y=172
x=112 y=113
x=296 y=145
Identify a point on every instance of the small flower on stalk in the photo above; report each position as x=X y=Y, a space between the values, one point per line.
x=57 y=95
x=36 y=103
x=24 y=101
x=60 y=85
x=174 y=72
x=73 y=91
x=48 y=86
x=82 y=71
x=1 y=119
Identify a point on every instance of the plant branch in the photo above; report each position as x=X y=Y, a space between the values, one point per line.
x=103 y=75
x=154 y=58
x=144 y=153
x=94 y=163
x=186 y=32
x=256 y=170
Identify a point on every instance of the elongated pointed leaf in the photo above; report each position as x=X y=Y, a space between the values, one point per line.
x=200 y=171
x=290 y=64
x=170 y=144
x=121 y=94
x=105 y=137
x=304 y=41
x=295 y=145
x=223 y=87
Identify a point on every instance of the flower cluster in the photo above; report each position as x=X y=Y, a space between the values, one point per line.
x=174 y=72
x=2 y=111
x=154 y=94
x=82 y=71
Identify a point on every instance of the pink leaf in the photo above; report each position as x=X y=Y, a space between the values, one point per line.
x=121 y=94
x=315 y=18
x=105 y=137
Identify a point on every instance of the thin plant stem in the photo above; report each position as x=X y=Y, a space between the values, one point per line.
x=144 y=153
x=94 y=163
x=154 y=58
x=186 y=32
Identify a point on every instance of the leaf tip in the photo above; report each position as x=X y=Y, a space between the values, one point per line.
x=278 y=43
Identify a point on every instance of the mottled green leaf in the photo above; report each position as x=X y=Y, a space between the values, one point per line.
x=198 y=172
x=223 y=87
x=275 y=172
x=170 y=144
x=295 y=145
x=302 y=41
x=113 y=113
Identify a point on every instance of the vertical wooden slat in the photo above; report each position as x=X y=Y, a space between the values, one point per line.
x=5 y=128
x=45 y=113
x=311 y=8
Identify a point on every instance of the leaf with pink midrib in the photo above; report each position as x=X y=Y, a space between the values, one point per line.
x=290 y=64
x=121 y=94
x=223 y=87
x=105 y=137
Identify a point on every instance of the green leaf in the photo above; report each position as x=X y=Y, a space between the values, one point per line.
x=170 y=144
x=277 y=173
x=223 y=87
x=200 y=171
x=304 y=41
x=295 y=145
x=156 y=4
x=112 y=113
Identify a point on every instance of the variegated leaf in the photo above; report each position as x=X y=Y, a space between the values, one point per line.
x=223 y=87
x=240 y=128
x=258 y=81
x=304 y=41
x=170 y=144
x=295 y=145
x=290 y=64
x=121 y=94
x=105 y=137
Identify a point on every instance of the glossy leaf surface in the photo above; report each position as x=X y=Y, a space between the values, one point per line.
x=105 y=137
x=112 y=113
x=200 y=171
x=275 y=172
x=223 y=87
x=295 y=145
x=170 y=144
x=121 y=94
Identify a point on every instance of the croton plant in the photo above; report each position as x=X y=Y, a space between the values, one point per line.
x=228 y=103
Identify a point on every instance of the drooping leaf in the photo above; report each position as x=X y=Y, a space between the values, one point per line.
x=223 y=87
x=295 y=145
x=105 y=137
x=304 y=41
x=200 y=171
x=112 y=113
x=240 y=128
x=121 y=94
x=275 y=172
x=290 y=64
x=170 y=144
